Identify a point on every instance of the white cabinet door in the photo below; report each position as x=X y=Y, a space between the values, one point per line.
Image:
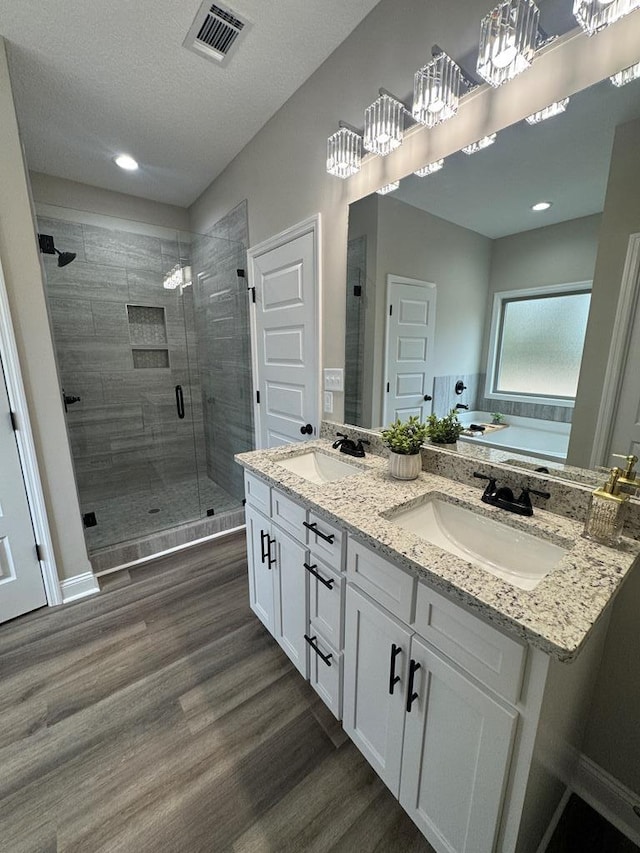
x=457 y=746
x=376 y=653
x=291 y=598
x=259 y=559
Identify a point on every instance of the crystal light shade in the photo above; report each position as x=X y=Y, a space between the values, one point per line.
x=508 y=40
x=383 y=125
x=388 y=188
x=429 y=169
x=344 y=153
x=485 y=142
x=552 y=110
x=594 y=15
x=436 y=91
x=627 y=75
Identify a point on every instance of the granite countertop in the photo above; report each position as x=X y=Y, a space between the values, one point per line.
x=556 y=616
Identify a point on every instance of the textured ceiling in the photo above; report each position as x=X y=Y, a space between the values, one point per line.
x=92 y=79
x=564 y=160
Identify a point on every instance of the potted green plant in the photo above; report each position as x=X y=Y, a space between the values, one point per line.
x=404 y=440
x=444 y=430
x=497 y=418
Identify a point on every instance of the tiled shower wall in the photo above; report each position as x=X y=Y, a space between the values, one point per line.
x=354 y=337
x=125 y=433
x=224 y=348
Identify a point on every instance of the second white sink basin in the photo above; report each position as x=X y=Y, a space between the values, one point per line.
x=319 y=467
x=520 y=558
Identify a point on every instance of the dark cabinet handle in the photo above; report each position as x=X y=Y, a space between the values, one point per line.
x=180 y=401
x=314 y=529
x=265 y=548
x=307 y=429
x=312 y=570
x=263 y=553
x=414 y=666
x=270 y=542
x=312 y=643
x=393 y=678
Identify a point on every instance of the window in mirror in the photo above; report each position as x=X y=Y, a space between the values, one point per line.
x=537 y=337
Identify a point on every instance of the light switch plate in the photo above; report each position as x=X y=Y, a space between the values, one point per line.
x=333 y=379
x=328 y=402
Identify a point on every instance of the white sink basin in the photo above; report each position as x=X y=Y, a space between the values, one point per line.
x=319 y=467
x=517 y=557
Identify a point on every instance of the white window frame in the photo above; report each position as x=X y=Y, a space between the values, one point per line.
x=499 y=298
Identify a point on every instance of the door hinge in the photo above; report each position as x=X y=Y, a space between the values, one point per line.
x=357 y=290
x=258 y=397
x=390 y=310
x=39 y=553
x=14 y=421
x=252 y=290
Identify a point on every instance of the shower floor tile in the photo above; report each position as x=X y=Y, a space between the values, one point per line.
x=132 y=516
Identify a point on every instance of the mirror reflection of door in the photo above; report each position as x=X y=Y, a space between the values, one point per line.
x=410 y=326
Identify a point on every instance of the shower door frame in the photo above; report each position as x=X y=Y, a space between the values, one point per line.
x=27 y=450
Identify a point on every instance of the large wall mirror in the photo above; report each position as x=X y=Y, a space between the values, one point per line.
x=455 y=282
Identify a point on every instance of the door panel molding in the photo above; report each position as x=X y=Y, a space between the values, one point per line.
x=311 y=226
x=26 y=448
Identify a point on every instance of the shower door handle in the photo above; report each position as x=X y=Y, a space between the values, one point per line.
x=180 y=401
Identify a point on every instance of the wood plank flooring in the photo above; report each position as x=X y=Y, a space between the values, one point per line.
x=161 y=716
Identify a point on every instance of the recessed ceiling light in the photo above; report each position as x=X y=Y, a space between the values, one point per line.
x=126 y=162
x=541 y=205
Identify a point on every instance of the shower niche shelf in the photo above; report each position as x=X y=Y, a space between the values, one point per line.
x=148 y=336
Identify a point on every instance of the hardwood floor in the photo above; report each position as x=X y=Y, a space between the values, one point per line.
x=160 y=716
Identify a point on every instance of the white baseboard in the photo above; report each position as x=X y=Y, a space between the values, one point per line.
x=555 y=820
x=79 y=586
x=613 y=800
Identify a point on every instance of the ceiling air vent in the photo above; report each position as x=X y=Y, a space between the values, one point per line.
x=215 y=32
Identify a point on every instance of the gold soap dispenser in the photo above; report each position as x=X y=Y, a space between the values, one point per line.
x=628 y=480
x=607 y=510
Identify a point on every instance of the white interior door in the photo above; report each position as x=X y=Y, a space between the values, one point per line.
x=411 y=322
x=283 y=272
x=21 y=583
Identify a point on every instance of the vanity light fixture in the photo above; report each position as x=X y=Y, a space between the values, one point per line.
x=384 y=124
x=509 y=36
x=485 y=142
x=344 y=152
x=552 y=110
x=594 y=15
x=388 y=188
x=126 y=162
x=436 y=89
x=541 y=205
x=430 y=168
x=627 y=75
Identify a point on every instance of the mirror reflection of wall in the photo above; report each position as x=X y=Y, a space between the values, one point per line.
x=470 y=229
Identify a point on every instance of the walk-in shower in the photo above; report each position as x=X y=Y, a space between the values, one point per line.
x=151 y=334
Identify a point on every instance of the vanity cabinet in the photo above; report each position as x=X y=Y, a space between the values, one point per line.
x=296 y=584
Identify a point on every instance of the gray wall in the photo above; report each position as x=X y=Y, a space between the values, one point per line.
x=224 y=346
x=125 y=434
x=556 y=254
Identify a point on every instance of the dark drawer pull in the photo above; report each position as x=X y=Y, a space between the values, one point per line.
x=393 y=678
x=312 y=643
x=314 y=529
x=180 y=401
x=312 y=570
x=414 y=666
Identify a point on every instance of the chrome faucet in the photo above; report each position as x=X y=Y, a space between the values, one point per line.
x=348 y=445
x=504 y=498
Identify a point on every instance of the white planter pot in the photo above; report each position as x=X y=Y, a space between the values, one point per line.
x=403 y=466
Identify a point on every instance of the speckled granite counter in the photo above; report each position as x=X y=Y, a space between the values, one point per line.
x=556 y=616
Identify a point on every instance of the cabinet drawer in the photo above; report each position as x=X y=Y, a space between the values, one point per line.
x=257 y=493
x=326 y=601
x=327 y=543
x=385 y=583
x=288 y=514
x=326 y=675
x=495 y=659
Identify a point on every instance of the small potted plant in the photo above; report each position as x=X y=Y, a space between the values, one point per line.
x=497 y=418
x=444 y=430
x=404 y=440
